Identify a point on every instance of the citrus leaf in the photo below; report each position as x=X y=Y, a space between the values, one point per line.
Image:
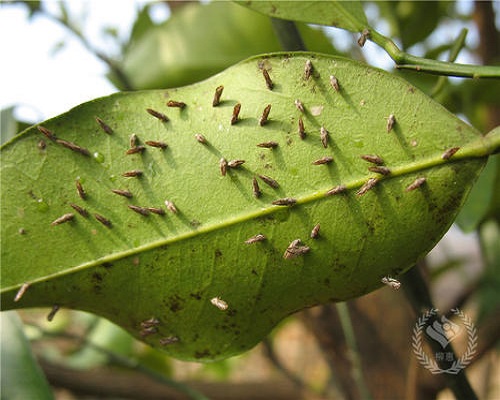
x=341 y=14
x=197 y=281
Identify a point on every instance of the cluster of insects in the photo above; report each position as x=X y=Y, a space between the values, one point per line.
x=296 y=248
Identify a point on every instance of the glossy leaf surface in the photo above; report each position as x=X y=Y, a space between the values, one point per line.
x=168 y=278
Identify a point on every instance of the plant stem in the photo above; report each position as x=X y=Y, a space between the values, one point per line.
x=419 y=297
x=455 y=49
x=407 y=61
x=353 y=351
x=129 y=363
x=288 y=35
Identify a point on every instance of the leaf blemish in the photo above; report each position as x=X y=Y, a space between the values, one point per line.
x=162 y=117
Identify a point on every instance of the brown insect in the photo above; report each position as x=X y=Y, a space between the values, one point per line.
x=269 y=181
x=336 y=190
x=105 y=127
x=449 y=153
x=235 y=163
x=269 y=82
x=133 y=140
x=217 y=95
x=299 y=105
x=148 y=323
x=79 y=189
x=165 y=341
x=124 y=193
x=369 y=184
x=254 y=239
x=41 y=144
x=135 y=150
x=268 y=145
x=295 y=249
x=144 y=332
x=223 y=166
x=132 y=174
x=219 y=303
x=372 y=158
x=265 y=114
x=63 y=218
x=391 y=282
x=335 y=83
x=287 y=201
x=156 y=210
x=200 y=138
x=80 y=210
x=380 y=169
x=315 y=231
x=173 y=103
x=324 y=134
x=236 y=113
x=140 y=210
x=415 y=184
x=162 y=117
x=103 y=220
x=48 y=134
x=154 y=143
x=171 y=206
x=308 y=69
x=323 y=160
x=52 y=313
x=391 y=120
x=302 y=132
x=22 y=290
x=74 y=147
x=362 y=39
x=255 y=188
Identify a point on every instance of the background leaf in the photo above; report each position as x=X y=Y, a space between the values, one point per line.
x=170 y=267
x=341 y=14
x=199 y=41
x=22 y=378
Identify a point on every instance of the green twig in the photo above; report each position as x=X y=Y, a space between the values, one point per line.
x=128 y=363
x=356 y=367
x=417 y=293
x=288 y=35
x=407 y=61
x=455 y=49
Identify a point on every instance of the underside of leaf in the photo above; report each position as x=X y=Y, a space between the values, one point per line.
x=187 y=215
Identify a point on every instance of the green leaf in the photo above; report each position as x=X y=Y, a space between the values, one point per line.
x=170 y=267
x=341 y=14
x=199 y=41
x=22 y=377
